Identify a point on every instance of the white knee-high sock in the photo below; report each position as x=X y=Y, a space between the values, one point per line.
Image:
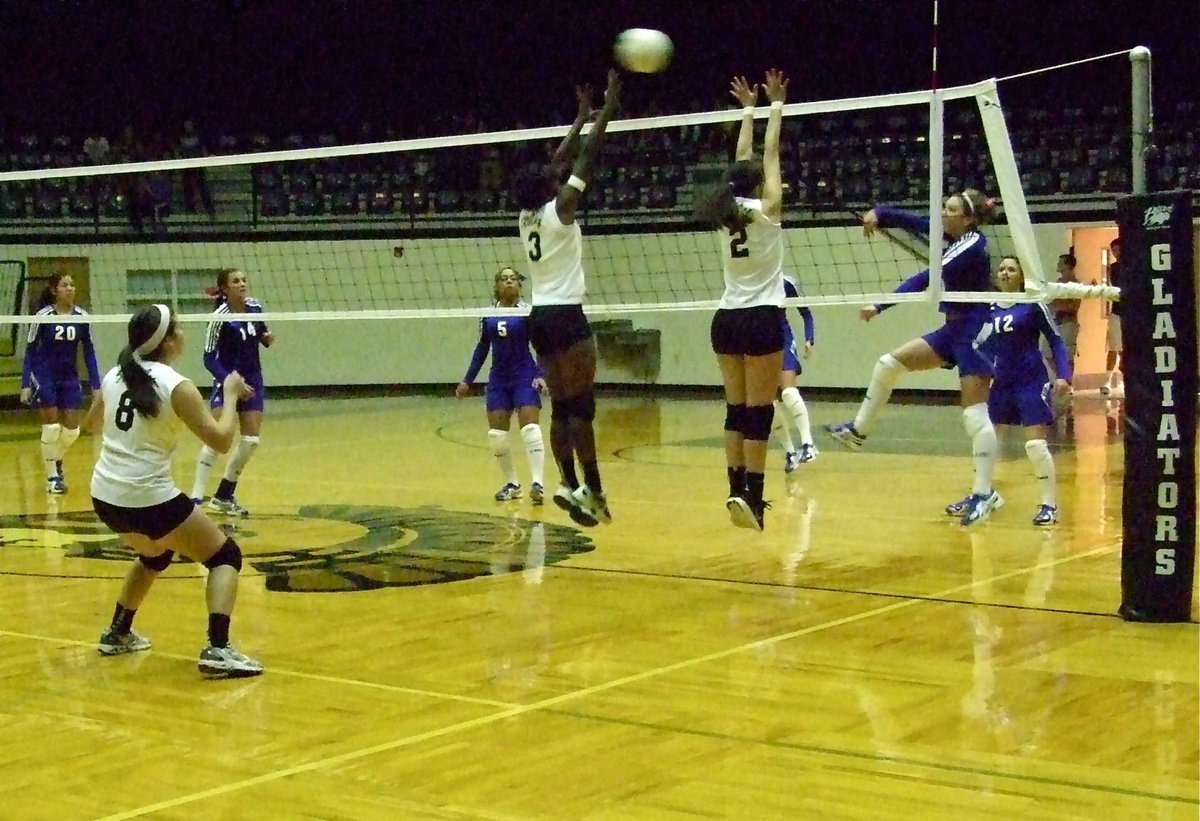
x=498 y=440
x=887 y=370
x=204 y=466
x=983 y=445
x=66 y=438
x=780 y=427
x=1043 y=469
x=50 y=435
x=240 y=456
x=535 y=449
x=799 y=411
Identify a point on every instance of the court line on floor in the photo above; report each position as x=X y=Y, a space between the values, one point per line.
x=553 y=701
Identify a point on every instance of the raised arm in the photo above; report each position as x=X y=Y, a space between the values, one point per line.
x=193 y=411
x=568 y=194
x=569 y=147
x=747 y=95
x=775 y=86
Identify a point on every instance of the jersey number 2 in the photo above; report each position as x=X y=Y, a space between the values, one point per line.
x=737 y=244
x=535 y=246
x=125 y=412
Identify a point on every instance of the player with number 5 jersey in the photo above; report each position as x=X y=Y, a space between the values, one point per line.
x=514 y=384
x=232 y=345
x=558 y=329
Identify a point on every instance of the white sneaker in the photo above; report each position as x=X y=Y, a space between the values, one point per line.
x=228 y=662
x=980 y=506
x=115 y=644
x=590 y=508
x=227 y=507
x=564 y=498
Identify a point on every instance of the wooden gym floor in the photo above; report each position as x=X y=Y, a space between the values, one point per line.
x=431 y=653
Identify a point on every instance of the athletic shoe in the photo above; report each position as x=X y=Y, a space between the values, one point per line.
x=507 y=493
x=590 y=508
x=744 y=513
x=56 y=485
x=564 y=498
x=808 y=453
x=980 y=507
x=847 y=434
x=791 y=461
x=957 y=509
x=1046 y=515
x=113 y=643
x=227 y=507
x=536 y=494
x=227 y=662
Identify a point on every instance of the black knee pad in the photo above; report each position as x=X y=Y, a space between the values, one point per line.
x=157 y=563
x=758 y=420
x=229 y=554
x=734 y=415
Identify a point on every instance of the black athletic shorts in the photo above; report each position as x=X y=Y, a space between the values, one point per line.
x=756 y=331
x=554 y=328
x=153 y=522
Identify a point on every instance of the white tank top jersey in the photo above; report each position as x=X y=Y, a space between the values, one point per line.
x=555 y=254
x=134 y=468
x=753 y=260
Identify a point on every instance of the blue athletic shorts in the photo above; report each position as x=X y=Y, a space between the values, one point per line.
x=791 y=356
x=253 y=403
x=512 y=393
x=56 y=391
x=1025 y=405
x=953 y=343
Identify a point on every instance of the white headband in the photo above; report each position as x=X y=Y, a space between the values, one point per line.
x=156 y=338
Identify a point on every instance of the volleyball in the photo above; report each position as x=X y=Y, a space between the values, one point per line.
x=645 y=51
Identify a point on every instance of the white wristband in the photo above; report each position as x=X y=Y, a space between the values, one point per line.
x=777 y=105
x=747 y=110
x=576 y=183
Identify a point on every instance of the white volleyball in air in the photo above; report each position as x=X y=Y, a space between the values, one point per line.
x=646 y=51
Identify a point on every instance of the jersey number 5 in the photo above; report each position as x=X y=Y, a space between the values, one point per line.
x=535 y=246
x=125 y=412
x=737 y=244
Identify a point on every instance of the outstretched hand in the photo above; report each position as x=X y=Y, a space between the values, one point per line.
x=612 y=93
x=870 y=222
x=868 y=313
x=583 y=96
x=743 y=92
x=775 y=85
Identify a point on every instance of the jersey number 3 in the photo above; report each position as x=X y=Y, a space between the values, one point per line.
x=535 y=246
x=737 y=244
x=125 y=412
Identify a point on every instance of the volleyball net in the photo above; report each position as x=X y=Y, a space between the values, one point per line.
x=416 y=228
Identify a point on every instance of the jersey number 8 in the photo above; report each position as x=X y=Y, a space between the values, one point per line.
x=125 y=412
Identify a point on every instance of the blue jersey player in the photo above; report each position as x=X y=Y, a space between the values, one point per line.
x=232 y=345
x=50 y=378
x=513 y=385
x=1022 y=390
x=790 y=404
x=965 y=267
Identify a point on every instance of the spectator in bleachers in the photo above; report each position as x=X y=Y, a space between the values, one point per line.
x=127 y=148
x=194 y=180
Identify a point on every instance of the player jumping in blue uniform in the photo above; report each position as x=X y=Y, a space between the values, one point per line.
x=790 y=405
x=514 y=383
x=50 y=378
x=1022 y=391
x=965 y=267
x=233 y=346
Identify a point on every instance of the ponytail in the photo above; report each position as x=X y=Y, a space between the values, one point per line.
x=148 y=329
x=47 y=297
x=720 y=209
